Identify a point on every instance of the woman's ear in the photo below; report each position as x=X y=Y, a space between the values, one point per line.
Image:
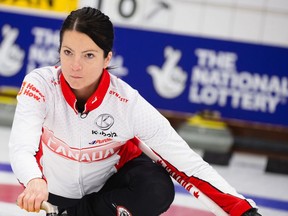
x=108 y=59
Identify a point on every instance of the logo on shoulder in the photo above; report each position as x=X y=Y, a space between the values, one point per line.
x=29 y=90
x=55 y=82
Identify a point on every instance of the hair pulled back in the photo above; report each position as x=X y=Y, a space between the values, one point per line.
x=94 y=24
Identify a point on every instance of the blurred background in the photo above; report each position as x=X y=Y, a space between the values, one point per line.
x=216 y=69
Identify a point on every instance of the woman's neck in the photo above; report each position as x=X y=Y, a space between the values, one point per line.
x=80 y=106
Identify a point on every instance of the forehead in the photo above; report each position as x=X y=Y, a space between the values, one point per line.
x=79 y=41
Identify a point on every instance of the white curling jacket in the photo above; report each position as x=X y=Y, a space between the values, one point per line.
x=77 y=152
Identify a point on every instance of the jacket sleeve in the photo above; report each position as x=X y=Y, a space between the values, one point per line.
x=27 y=129
x=155 y=130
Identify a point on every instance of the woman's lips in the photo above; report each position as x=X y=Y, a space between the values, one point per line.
x=76 y=77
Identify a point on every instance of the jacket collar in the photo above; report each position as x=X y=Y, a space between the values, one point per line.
x=94 y=100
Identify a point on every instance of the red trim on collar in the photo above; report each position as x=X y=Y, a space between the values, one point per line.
x=94 y=100
x=68 y=94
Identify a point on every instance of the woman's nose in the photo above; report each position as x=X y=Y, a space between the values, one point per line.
x=76 y=65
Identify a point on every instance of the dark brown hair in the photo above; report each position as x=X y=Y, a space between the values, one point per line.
x=94 y=24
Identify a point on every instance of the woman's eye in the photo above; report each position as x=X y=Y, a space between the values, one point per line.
x=67 y=52
x=89 y=55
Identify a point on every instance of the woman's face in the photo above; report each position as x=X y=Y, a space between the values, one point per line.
x=82 y=62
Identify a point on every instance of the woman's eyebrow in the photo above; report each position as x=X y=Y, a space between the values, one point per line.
x=85 y=51
x=90 y=50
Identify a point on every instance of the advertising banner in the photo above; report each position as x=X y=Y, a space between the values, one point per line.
x=173 y=72
x=26 y=42
x=189 y=74
x=50 y=5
